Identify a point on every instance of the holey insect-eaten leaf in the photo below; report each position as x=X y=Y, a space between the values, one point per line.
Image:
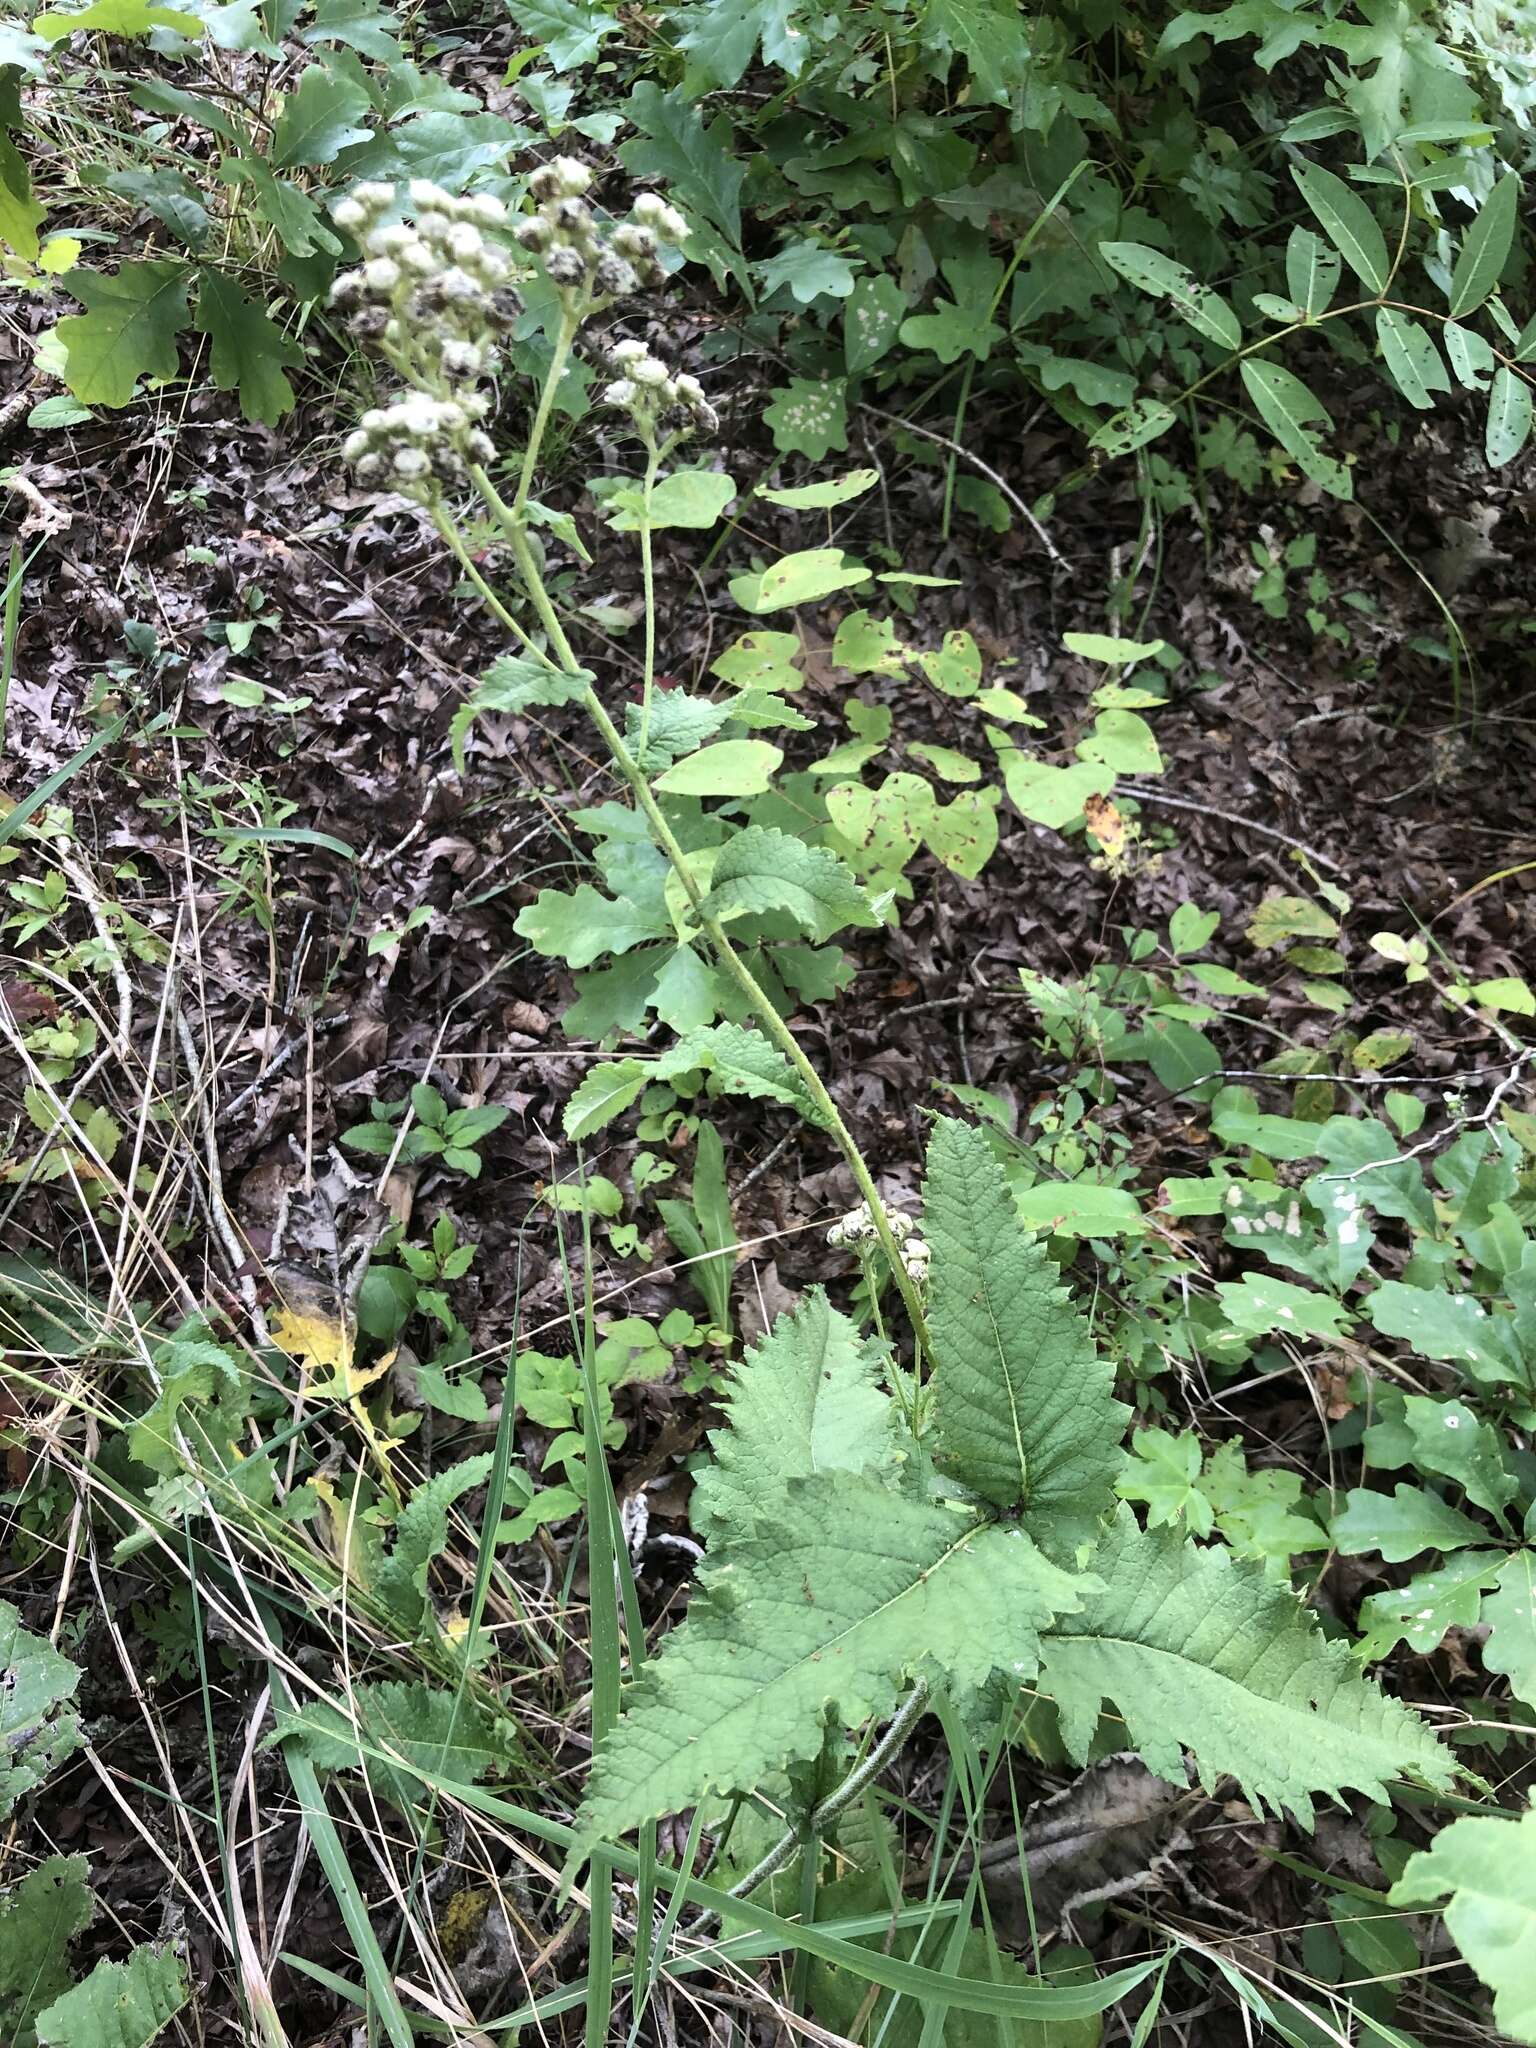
x=855 y=1590
x=1025 y=1408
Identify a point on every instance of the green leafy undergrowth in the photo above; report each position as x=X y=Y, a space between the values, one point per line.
x=861 y=1540
x=118 y=2004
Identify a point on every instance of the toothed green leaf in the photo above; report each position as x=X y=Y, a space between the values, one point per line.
x=1197 y=1650
x=1024 y=1408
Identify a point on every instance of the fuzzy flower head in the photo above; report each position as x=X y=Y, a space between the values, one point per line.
x=857 y=1232
x=434 y=291
x=658 y=403
x=590 y=259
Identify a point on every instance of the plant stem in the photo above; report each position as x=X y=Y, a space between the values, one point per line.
x=570 y=320
x=648 y=577
x=514 y=527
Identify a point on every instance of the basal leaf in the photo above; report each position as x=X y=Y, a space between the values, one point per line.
x=604 y=1093
x=1200 y=1651
x=809 y=417
x=120 y=2005
x=871 y=319
x=115 y=18
x=1024 y=1407
x=1510 y=1611
x=37 y=1731
x=846 y=1590
x=127 y=331
x=39 y=1918
x=582 y=926
x=322 y=116
x=1347 y=222
x=250 y=352
x=803 y=1401
x=1485 y=247
x=1401 y=1525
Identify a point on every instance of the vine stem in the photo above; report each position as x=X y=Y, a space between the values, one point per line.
x=560 y=654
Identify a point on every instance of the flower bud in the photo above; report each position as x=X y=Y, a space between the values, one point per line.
x=632 y=241
x=410 y=463
x=573 y=175
x=381 y=275
x=464 y=243
x=613 y=276
x=564 y=267
x=425 y=193
x=348 y=215
x=485 y=209
x=624 y=354
x=533 y=234
x=574 y=216
x=373 y=195
x=620 y=392
x=649 y=372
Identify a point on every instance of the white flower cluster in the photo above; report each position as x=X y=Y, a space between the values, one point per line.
x=585 y=260
x=435 y=294
x=857 y=1228
x=653 y=397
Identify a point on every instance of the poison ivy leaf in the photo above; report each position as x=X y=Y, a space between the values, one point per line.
x=809 y=417
x=728 y=768
x=1509 y=417
x=810 y=269
x=842 y=1590
x=580 y=927
x=1400 y=1526
x=127 y=331
x=803 y=1401
x=699 y=163
x=1198 y=1650
x=1289 y=410
x=39 y=1918
x=1510 y=1611
x=250 y=352
x=1160 y=276
x=1485 y=247
x=1024 y=1406
x=871 y=320
x=1411 y=356
x=324 y=114
x=1481 y=1872
x=762 y=870
x=1419 y=1613
x=1347 y=222
x=741 y=1062
x=1311 y=272
x=37 y=1731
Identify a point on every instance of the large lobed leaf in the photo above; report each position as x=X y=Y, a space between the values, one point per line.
x=1484 y=1870
x=1025 y=1409
x=803 y=1401
x=37 y=1731
x=853 y=1590
x=1200 y=1651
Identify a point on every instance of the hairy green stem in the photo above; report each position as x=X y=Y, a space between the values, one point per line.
x=648 y=577
x=565 y=337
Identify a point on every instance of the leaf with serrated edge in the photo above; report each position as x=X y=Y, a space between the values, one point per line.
x=851 y=1590
x=604 y=1094
x=802 y=1401
x=1024 y=1406
x=741 y=1062
x=762 y=870
x=120 y=2005
x=1199 y=1651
